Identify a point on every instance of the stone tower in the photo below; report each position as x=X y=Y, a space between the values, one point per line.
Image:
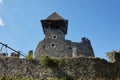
x=54 y=43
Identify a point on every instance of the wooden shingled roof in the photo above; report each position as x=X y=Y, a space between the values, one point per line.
x=54 y=16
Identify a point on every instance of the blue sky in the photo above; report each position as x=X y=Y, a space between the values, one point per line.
x=98 y=20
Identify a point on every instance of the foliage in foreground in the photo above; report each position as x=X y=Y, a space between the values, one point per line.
x=30 y=55
x=50 y=61
x=23 y=78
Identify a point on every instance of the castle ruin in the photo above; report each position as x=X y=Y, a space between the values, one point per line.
x=54 y=44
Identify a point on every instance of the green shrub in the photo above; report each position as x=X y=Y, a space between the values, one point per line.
x=59 y=61
x=30 y=55
x=63 y=78
x=51 y=61
x=47 y=61
x=52 y=78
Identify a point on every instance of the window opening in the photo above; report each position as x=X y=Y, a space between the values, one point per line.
x=70 y=47
x=53 y=45
x=54 y=36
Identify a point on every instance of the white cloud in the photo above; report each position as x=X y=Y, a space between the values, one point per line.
x=1 y=1
x=1 y=22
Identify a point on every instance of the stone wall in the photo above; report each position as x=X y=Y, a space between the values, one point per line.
x=113 y=56
x=55 y=45
x=74 y=68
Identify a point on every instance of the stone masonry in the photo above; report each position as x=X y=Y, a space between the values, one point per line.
x=80 y=68
x=54 y=43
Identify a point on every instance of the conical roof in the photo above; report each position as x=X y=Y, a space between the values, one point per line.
x=54 y=16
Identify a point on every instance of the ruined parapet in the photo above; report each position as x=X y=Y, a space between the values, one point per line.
x=86 y=40
x=87 y=47
x=74 y=52
x=15 y=55
x=113 y=56
x=3 y=55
